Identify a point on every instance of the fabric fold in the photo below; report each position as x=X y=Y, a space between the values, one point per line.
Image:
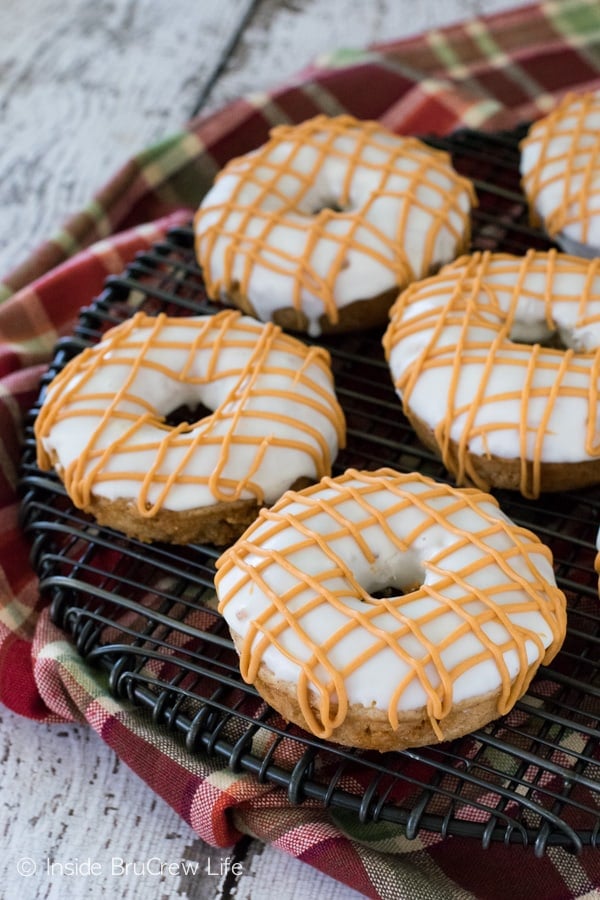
x=489 y=73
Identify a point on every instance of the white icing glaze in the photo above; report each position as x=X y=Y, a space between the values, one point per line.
x=405 y=211
x=275 y=415
x=463 y=314
x=560 y=165
x=328 y=549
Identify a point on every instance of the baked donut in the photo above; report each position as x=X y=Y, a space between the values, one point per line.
x=264 y=417
x=317 y=229
x=468 y=357
x=385 y=610
x=560 y=168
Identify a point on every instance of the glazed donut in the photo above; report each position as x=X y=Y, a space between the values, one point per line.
x=499 y=412
x=318 y=228
x=560 y=168
x=271 y=421
x=472 y=608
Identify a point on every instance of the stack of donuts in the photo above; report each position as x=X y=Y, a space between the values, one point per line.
x=378 y=609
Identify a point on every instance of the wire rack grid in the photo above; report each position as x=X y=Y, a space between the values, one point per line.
x=146 y=613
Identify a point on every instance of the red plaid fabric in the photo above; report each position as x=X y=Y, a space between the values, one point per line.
x=487 y=73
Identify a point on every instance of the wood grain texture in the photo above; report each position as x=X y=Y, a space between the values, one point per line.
x=68 y=803
x=87 y=83
x=65 y=798
x=283 y=37
x=84 y=84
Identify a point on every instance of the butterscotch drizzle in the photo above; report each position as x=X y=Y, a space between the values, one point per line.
x=567 y=145
x=263 y=561
x=141 y=346
x=481 y=326
x=281 y=187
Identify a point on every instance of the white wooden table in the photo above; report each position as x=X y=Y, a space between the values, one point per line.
x=84 y=84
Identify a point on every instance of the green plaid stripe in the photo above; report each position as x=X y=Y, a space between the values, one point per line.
x=575 y=20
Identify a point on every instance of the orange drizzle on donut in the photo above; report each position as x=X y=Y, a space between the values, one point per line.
x=267 y=175
x=68 y=399
x=254 y=556
x=573 y=168
x=467 y=281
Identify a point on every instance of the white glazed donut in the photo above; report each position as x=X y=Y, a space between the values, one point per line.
x=319 y=227
x=467 y=357
x=272 y=420
x=560 y=165
x=472 y=612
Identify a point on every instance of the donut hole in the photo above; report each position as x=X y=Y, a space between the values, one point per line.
x=407 y=576
x=393 y=590
x=330 y=204
x=187 y=414
x=555 y=338
x=321 y=197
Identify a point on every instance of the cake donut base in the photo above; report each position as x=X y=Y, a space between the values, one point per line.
x=510 y=474
x=495 y=361
x=219 y=524
x=368 y=313
x=369 y=729
x=263 y=411
x=384 y=610
x=319 y=227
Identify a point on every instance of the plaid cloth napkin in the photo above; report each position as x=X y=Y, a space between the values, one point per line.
x=487 y=73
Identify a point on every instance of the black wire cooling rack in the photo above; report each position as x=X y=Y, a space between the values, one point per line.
x=146 y=614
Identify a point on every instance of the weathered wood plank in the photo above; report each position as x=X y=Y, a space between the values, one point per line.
x=85 y=84
x=284 y=36
x=77 y=822
x=66 y=802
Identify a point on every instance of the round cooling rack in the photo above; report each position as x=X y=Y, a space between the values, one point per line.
x=146 y=613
